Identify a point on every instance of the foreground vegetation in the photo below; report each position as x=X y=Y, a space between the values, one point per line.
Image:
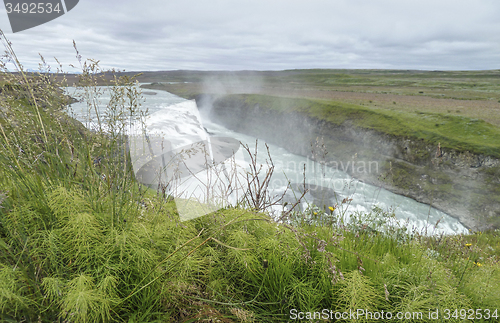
x=81 y=241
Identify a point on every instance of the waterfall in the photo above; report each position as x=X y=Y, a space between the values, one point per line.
x=175 y=128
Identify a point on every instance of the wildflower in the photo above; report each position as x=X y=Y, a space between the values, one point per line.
x=321 y=246
x=315 y=213
x=331 y=208
x=468 y=245
x=478 y=264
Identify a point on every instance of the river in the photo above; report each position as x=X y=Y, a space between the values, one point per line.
x=179 y=120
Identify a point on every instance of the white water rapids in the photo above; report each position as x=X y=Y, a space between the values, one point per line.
x=180 y=124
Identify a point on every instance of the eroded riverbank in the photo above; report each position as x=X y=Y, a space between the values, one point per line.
x=424 y=167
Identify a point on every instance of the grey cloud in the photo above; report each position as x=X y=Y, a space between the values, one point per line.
x=224 y=34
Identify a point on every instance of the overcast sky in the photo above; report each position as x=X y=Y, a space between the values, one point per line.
x=269 y=35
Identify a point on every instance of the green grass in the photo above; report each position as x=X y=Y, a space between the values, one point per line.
x=81 y=241
x=473 y=94
x=433 y=125
x=463 y=85
x=141 y=270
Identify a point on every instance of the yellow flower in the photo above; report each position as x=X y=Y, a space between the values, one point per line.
x=468 y=244
x=315 y=213
x=331 y=208
x=478 y=264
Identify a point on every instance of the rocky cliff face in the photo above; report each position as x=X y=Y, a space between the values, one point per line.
x=462 y=184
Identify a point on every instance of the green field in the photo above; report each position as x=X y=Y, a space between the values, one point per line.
x=455 y=132
x=460 y=85
x=460 y=110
